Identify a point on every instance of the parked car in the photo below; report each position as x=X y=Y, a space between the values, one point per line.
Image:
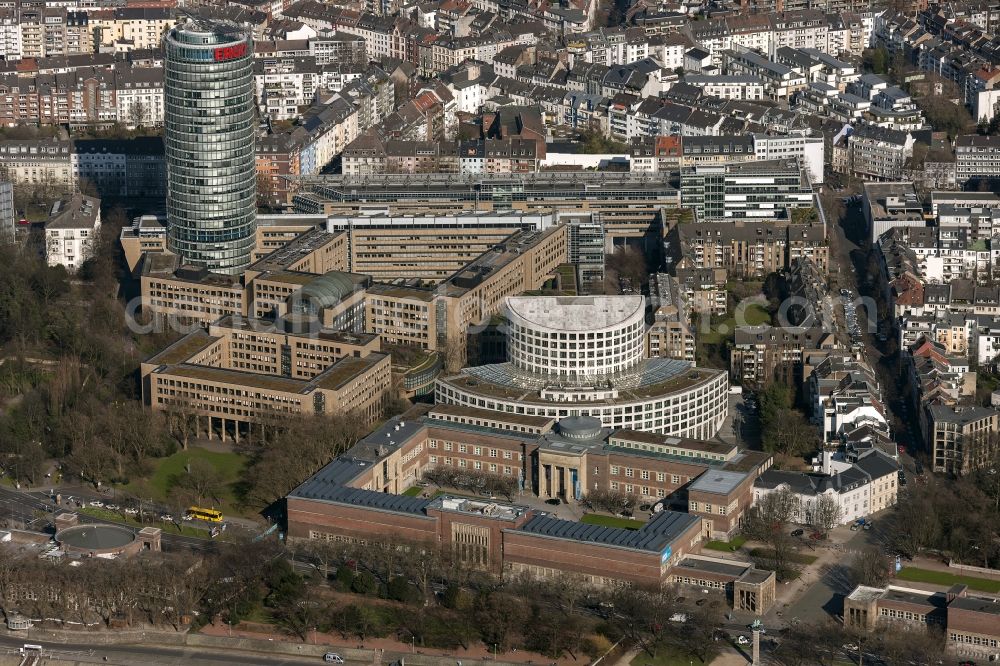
x=798 y=532
x=333 y=658
x=743 y=640
x=554 y=501
x=97 y=503
x=166 y=517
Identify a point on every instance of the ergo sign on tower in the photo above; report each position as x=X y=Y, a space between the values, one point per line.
x=230 y=52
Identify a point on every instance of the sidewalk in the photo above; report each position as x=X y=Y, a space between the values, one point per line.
x=937 y=565
x=335 y=641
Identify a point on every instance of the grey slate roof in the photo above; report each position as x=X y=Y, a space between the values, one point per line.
x=812 y=484
x=876 y=464
x=325 y=485
x=654 y=536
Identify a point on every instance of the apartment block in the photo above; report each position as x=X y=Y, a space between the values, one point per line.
x=764 y=354
x=38 y=161
x=724 y=191
x=977 y=157
x=71 y=231
x=748 y=248
x=670 y=335
x=961 y=438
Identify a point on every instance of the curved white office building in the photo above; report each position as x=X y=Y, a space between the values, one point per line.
x=576 y=339
x=209 y=143
x=583 y=356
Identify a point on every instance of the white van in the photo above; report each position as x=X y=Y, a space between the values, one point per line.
x=333 y=658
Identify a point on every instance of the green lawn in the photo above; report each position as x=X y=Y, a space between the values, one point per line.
x=413 y=492
x=797 y=558
x=229 y=466
x=612 y=521
x=727 y=546
x=168 y=528
x=918 y=575
x=753 y=315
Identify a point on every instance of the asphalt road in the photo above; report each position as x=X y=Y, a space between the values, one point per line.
x=143 y=654
x=22 y=506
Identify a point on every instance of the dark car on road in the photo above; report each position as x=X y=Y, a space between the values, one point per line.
x=798 y=532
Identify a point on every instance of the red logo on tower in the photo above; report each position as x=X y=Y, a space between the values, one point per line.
x=230 y=52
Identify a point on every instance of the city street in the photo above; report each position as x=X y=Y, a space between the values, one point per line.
x=144 y=654
x=23 y=506
x=741 y=427
x=850 y=251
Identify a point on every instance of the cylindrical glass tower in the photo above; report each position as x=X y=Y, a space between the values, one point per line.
x=209 y=138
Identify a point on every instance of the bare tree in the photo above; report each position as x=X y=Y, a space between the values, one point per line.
x=612 y=501
x=643 y=616
x=767 y=521
x=137 y=114
x=869 y=567
x=826 y=514
x=182 y=424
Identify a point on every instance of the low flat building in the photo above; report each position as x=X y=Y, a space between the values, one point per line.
x=356 y=497
x=751 y=589
x=187 y=294
x=890 y=205
x=244 y=371
x=970 y=621
x=629 y=204
x=429 y=248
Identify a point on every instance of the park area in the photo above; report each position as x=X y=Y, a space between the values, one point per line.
x=918 y=575
x=193 y=476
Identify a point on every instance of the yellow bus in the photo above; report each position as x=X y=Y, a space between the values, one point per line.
x=209 y=515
